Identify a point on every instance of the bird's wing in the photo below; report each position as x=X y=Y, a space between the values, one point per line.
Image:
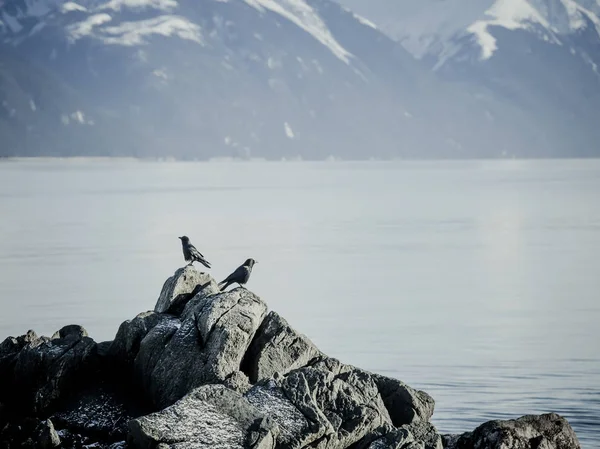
x=194 y=252
x=239 y=273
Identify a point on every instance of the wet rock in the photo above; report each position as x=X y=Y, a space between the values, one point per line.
x=326 y=405
x=549 y=431
x=186 y=283
x=277 y=348
x=405 y=404
x=126 y=344
x=207 y=348
x=47 y=438
x=210 y=416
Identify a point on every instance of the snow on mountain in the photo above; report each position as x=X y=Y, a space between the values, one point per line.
x=301 y=14
x=510 y=14
x=285 y=79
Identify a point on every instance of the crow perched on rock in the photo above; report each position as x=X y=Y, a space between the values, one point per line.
x=239 y=276
x=191 y=254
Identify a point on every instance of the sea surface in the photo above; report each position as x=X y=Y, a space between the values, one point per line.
x=476 y=281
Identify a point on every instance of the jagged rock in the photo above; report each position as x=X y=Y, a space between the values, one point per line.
x=207 y=348
x=549 y=431
x=126 y=344
x=426 y=433
x=277 y=348
x=186 y=283
x=405 y=404
x=212 y=416
x=325 y=405
x=47 y=438
x=46 y=370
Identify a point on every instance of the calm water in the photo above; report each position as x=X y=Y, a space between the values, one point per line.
x=476 y=281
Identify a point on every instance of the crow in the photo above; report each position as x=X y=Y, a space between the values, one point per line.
x=191 y=254
x=240 y=276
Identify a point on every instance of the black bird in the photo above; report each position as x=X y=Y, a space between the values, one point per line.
x=191 y=254
x=239 y=276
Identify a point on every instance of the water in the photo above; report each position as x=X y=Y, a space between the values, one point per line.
x=476 y=281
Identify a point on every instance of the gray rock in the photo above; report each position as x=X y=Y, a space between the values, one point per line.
x=405 y=404
x=71 y=331
x=126 y=344
x=549 y=431
x=426 y=433
x=151 y=349
x=277 y=348
x=238 y=381
x=183 y=286
x=396 y=439
x=326 y=405
x=47 y=438
x=212 y=416
x=46 y=370
x=208 y=347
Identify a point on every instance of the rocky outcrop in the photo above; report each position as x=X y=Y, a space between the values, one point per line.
x=549 y=431
x=208 y=369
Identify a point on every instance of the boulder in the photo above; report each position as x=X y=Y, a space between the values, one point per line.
x=277 y=348
x=186 y=283
x=208 y=347
x=405 y=404
x=325 y=405
x=46 y=370
x=549 y=431
x=212 y=416
x=126 y=344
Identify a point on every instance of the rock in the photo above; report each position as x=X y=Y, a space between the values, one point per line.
x=397 y=439
x=549 y=431
x=47 y=370
x=277 y=348
x=405 y=404
x=238 y=381
x=326 y=405
x=71 y=331
x=212 y=416
x=183 y=286
x=101 y=412
x=207 y=348
x=126 y=344
x=47 y=438
x=426 y=433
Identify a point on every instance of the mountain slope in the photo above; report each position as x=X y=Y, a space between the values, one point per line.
x=243 y=78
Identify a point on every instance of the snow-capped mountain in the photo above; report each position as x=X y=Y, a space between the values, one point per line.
x=249 y=78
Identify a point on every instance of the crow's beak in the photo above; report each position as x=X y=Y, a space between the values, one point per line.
x=180 y=238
